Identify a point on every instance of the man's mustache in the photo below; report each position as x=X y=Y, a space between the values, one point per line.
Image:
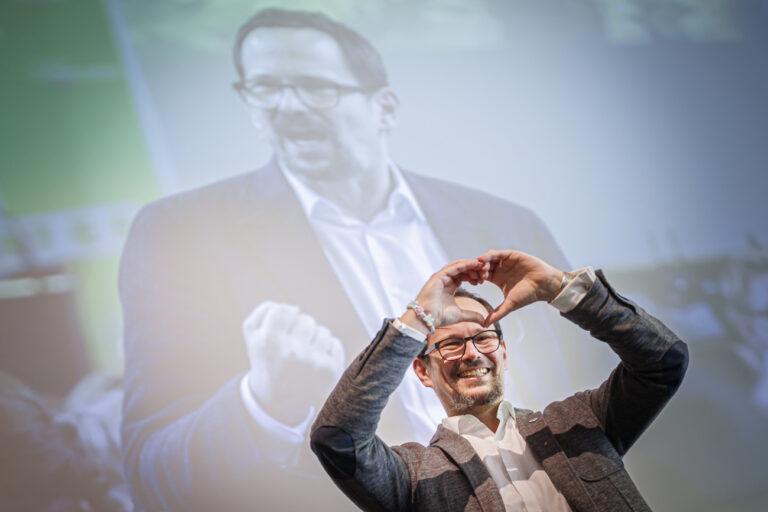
x=291 y=123
x=476 y=364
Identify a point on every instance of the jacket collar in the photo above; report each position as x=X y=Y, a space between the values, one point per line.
x=540 y=439
x=461 y=453
x=452 y=222
x=542 y=443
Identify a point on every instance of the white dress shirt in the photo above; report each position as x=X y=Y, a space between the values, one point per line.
x=522 y=482
x=381 y=265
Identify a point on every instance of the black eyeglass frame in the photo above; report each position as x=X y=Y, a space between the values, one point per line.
x=241 y=87
x=437 y=345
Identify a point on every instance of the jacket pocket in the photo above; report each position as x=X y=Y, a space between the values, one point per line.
x=597 y=464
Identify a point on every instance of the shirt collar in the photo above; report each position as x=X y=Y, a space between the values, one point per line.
x=467 y=424
x=401 y=204
x=505 y=413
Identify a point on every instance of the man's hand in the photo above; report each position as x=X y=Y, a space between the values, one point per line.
x=436 y=297
x=294 y=360
x=523 y=279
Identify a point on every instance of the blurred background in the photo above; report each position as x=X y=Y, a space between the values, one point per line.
x=636 y=129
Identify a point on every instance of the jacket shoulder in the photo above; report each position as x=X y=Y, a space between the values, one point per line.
x=221 y=192
x=461 y=195
x=209 y=208
x=562 y=415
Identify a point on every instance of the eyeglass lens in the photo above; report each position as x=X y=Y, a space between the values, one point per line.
x=269 y=95
x=484 y=341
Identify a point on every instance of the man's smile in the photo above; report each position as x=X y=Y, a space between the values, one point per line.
x=473 y=372
x=304 y=141
x=478 y=373
x=303 y=137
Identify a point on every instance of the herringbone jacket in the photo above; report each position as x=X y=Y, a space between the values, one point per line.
x=580 y=441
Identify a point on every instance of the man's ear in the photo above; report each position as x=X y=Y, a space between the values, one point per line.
x=420 y=367
x=504 y=354
x=387 y=104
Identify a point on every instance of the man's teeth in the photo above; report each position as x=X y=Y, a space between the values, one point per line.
x=304 y=140
x=475 y=372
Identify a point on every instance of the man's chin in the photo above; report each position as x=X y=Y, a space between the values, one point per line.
x=469 y=395
x=310 y=168
x=476 y=385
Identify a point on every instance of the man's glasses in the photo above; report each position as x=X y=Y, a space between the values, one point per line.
x=451 y=349
x=314 y=94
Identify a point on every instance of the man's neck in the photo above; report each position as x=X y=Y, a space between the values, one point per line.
x=360 y=194
x=489 y=417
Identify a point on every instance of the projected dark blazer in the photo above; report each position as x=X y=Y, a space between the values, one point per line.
x=194 y=266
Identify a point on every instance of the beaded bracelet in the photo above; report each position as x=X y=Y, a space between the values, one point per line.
x=423 y=316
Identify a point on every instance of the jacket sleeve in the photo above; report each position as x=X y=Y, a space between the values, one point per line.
x=343 y=435
x=653 y=363
x=186 y=437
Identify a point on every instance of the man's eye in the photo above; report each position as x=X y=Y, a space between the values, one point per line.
x=320 y=90
x=259 y=87
x=452 y=345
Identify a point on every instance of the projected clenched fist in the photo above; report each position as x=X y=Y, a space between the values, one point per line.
x=294 y=360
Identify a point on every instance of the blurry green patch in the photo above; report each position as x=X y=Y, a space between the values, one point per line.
x=70 y=139
x=99 y=307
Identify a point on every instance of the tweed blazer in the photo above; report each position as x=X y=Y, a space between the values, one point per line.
x=580 y=441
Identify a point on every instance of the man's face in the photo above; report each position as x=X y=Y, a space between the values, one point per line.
x=313 y=142
x=468 y=384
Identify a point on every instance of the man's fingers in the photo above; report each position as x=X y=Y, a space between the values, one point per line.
x=471 y=316
x=304 y=328
x=494 y=255
x=458 y=267
x=473 y=278
x=331 y=347
x=516 y=298
x=472 y=271
x=280 y=317
x=256 y=317
x=460 y=271
x=496 y=315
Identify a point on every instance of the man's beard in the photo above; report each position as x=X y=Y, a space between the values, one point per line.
x=462 y=401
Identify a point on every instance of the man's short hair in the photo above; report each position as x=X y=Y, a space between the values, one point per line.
x=362 y=58
x=463 y=292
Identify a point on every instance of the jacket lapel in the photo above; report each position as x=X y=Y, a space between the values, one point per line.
x=288 y=265
x=542 y=443
x=463 y=455
x=456 y=229
x=284 y=259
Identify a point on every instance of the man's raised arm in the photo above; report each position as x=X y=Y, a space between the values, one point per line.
x=653 y=358
x=343 y=435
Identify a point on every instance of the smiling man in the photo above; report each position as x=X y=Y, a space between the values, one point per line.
x=232 y=290
x=488 y=455
x=463 y=386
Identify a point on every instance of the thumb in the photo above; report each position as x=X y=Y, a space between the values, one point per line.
x=466 y=315
x=500 y=312
x=519 y=296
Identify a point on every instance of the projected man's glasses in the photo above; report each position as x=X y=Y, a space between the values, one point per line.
x=314 y=94
x=451 y=349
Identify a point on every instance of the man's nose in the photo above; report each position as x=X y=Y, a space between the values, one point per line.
x=470 y=352
x=290 y=101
